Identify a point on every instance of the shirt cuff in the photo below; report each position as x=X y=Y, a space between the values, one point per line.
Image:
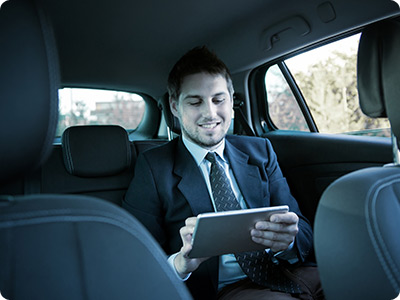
x=171 y=263
x=290 y=255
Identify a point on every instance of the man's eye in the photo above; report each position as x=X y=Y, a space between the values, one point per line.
x=218 y=100
x=195 y=103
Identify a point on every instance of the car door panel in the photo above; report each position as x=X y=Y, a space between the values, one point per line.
x=311 y=161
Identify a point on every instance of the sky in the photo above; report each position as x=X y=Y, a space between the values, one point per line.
x=69 y=96
x=302 y=61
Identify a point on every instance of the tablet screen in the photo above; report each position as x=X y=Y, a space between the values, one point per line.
x=225 y=232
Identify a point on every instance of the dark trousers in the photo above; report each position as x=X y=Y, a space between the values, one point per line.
x=306 y=277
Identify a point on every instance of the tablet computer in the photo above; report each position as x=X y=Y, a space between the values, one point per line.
x=226 y=232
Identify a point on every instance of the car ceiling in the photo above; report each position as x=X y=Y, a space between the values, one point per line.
x=131 y=45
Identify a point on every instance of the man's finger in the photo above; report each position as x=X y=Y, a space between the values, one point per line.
x=277 y=227
x=288 y=218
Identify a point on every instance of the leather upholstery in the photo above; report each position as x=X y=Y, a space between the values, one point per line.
x=29 y=70
x=96 y=151
x=63 y=247
x=356 y=226
x=378 y=72
x=60 y=246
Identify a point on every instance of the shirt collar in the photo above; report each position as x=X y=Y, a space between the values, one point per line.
x=199 y=153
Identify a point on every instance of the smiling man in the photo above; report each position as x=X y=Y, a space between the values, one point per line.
x=204 y=109
x=175 y=182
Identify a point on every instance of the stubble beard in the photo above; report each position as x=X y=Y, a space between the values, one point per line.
x=204 y=142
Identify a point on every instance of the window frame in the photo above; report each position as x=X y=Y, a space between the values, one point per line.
x=258 y=98
x=261 y=120
x=298 y=95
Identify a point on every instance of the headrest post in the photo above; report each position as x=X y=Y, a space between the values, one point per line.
x=169 y=132
x=396 y=152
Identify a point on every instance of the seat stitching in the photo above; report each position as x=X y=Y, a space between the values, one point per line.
x=378 y=242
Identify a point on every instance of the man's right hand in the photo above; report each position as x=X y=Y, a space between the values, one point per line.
x=183 y=264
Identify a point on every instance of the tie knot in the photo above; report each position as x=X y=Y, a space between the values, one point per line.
x=211 y=157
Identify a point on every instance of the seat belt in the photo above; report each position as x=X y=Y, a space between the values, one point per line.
x=239 y=115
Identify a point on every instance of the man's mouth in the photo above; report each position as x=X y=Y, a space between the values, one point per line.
x=209 y=125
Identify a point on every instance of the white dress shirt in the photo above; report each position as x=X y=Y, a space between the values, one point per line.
x=229 y=269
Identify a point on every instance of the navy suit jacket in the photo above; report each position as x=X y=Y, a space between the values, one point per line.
x=168 y=187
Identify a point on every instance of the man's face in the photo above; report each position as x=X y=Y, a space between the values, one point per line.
x=204 y=109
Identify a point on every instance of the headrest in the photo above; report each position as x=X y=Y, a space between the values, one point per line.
x=96 y=151
x=28 y=88
x=170 y=119
x=378 y=72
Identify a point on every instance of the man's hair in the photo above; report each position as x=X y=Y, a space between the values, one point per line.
x=197 y=60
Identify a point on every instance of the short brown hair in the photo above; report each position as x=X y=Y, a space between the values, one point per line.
x=197 y=60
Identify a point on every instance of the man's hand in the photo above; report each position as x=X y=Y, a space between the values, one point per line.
x=277 y=233
x=183 y=264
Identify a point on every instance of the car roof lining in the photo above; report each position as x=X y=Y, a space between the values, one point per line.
x=132 y=45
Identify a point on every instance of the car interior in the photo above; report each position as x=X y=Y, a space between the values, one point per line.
x=360 y=209
x=63 y=233
x=63 y=246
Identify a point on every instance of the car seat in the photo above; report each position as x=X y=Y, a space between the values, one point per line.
x=60 y=246
x=358 y=218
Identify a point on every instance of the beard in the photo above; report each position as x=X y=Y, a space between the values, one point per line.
x=204 y=140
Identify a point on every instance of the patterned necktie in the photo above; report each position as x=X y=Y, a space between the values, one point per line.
x=256 y=264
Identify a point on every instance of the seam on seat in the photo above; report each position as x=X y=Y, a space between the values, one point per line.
x=54 y=79
x=61 y=214
x=70 y=164
x=81 y=262
x=125 y=223
x=378 y=242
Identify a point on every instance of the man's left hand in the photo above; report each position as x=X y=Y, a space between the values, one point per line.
x=277 y=233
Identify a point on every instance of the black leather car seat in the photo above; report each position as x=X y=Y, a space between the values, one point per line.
x=60 y=246
x=358 y=219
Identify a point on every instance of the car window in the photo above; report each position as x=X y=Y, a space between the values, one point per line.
x=282 y=104
x=327 y=79
x=99 y=107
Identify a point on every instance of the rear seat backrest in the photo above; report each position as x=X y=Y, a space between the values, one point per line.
x=92 y=160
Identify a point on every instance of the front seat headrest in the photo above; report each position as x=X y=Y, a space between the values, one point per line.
x=28 y=88
x=378 y=72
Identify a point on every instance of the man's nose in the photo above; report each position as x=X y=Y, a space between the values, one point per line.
x=209 y=109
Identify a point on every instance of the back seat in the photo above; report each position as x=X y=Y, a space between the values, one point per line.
x=92 y=160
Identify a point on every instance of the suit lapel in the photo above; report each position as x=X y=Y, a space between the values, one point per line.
x=192 y=184
x=194 y=189
x=247 y=176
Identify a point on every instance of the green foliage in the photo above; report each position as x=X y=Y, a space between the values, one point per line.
x=330 y=89
x=282 y=106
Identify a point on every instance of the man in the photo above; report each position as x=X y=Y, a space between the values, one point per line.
x=172 y=186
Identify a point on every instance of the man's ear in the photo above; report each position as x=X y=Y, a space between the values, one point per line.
x=173 y=106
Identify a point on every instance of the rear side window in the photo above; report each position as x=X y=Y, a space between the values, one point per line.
x=282 y=104
x=99 y=107
x=326 y=78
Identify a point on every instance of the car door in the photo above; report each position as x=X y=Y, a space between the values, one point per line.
x=307 y=106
